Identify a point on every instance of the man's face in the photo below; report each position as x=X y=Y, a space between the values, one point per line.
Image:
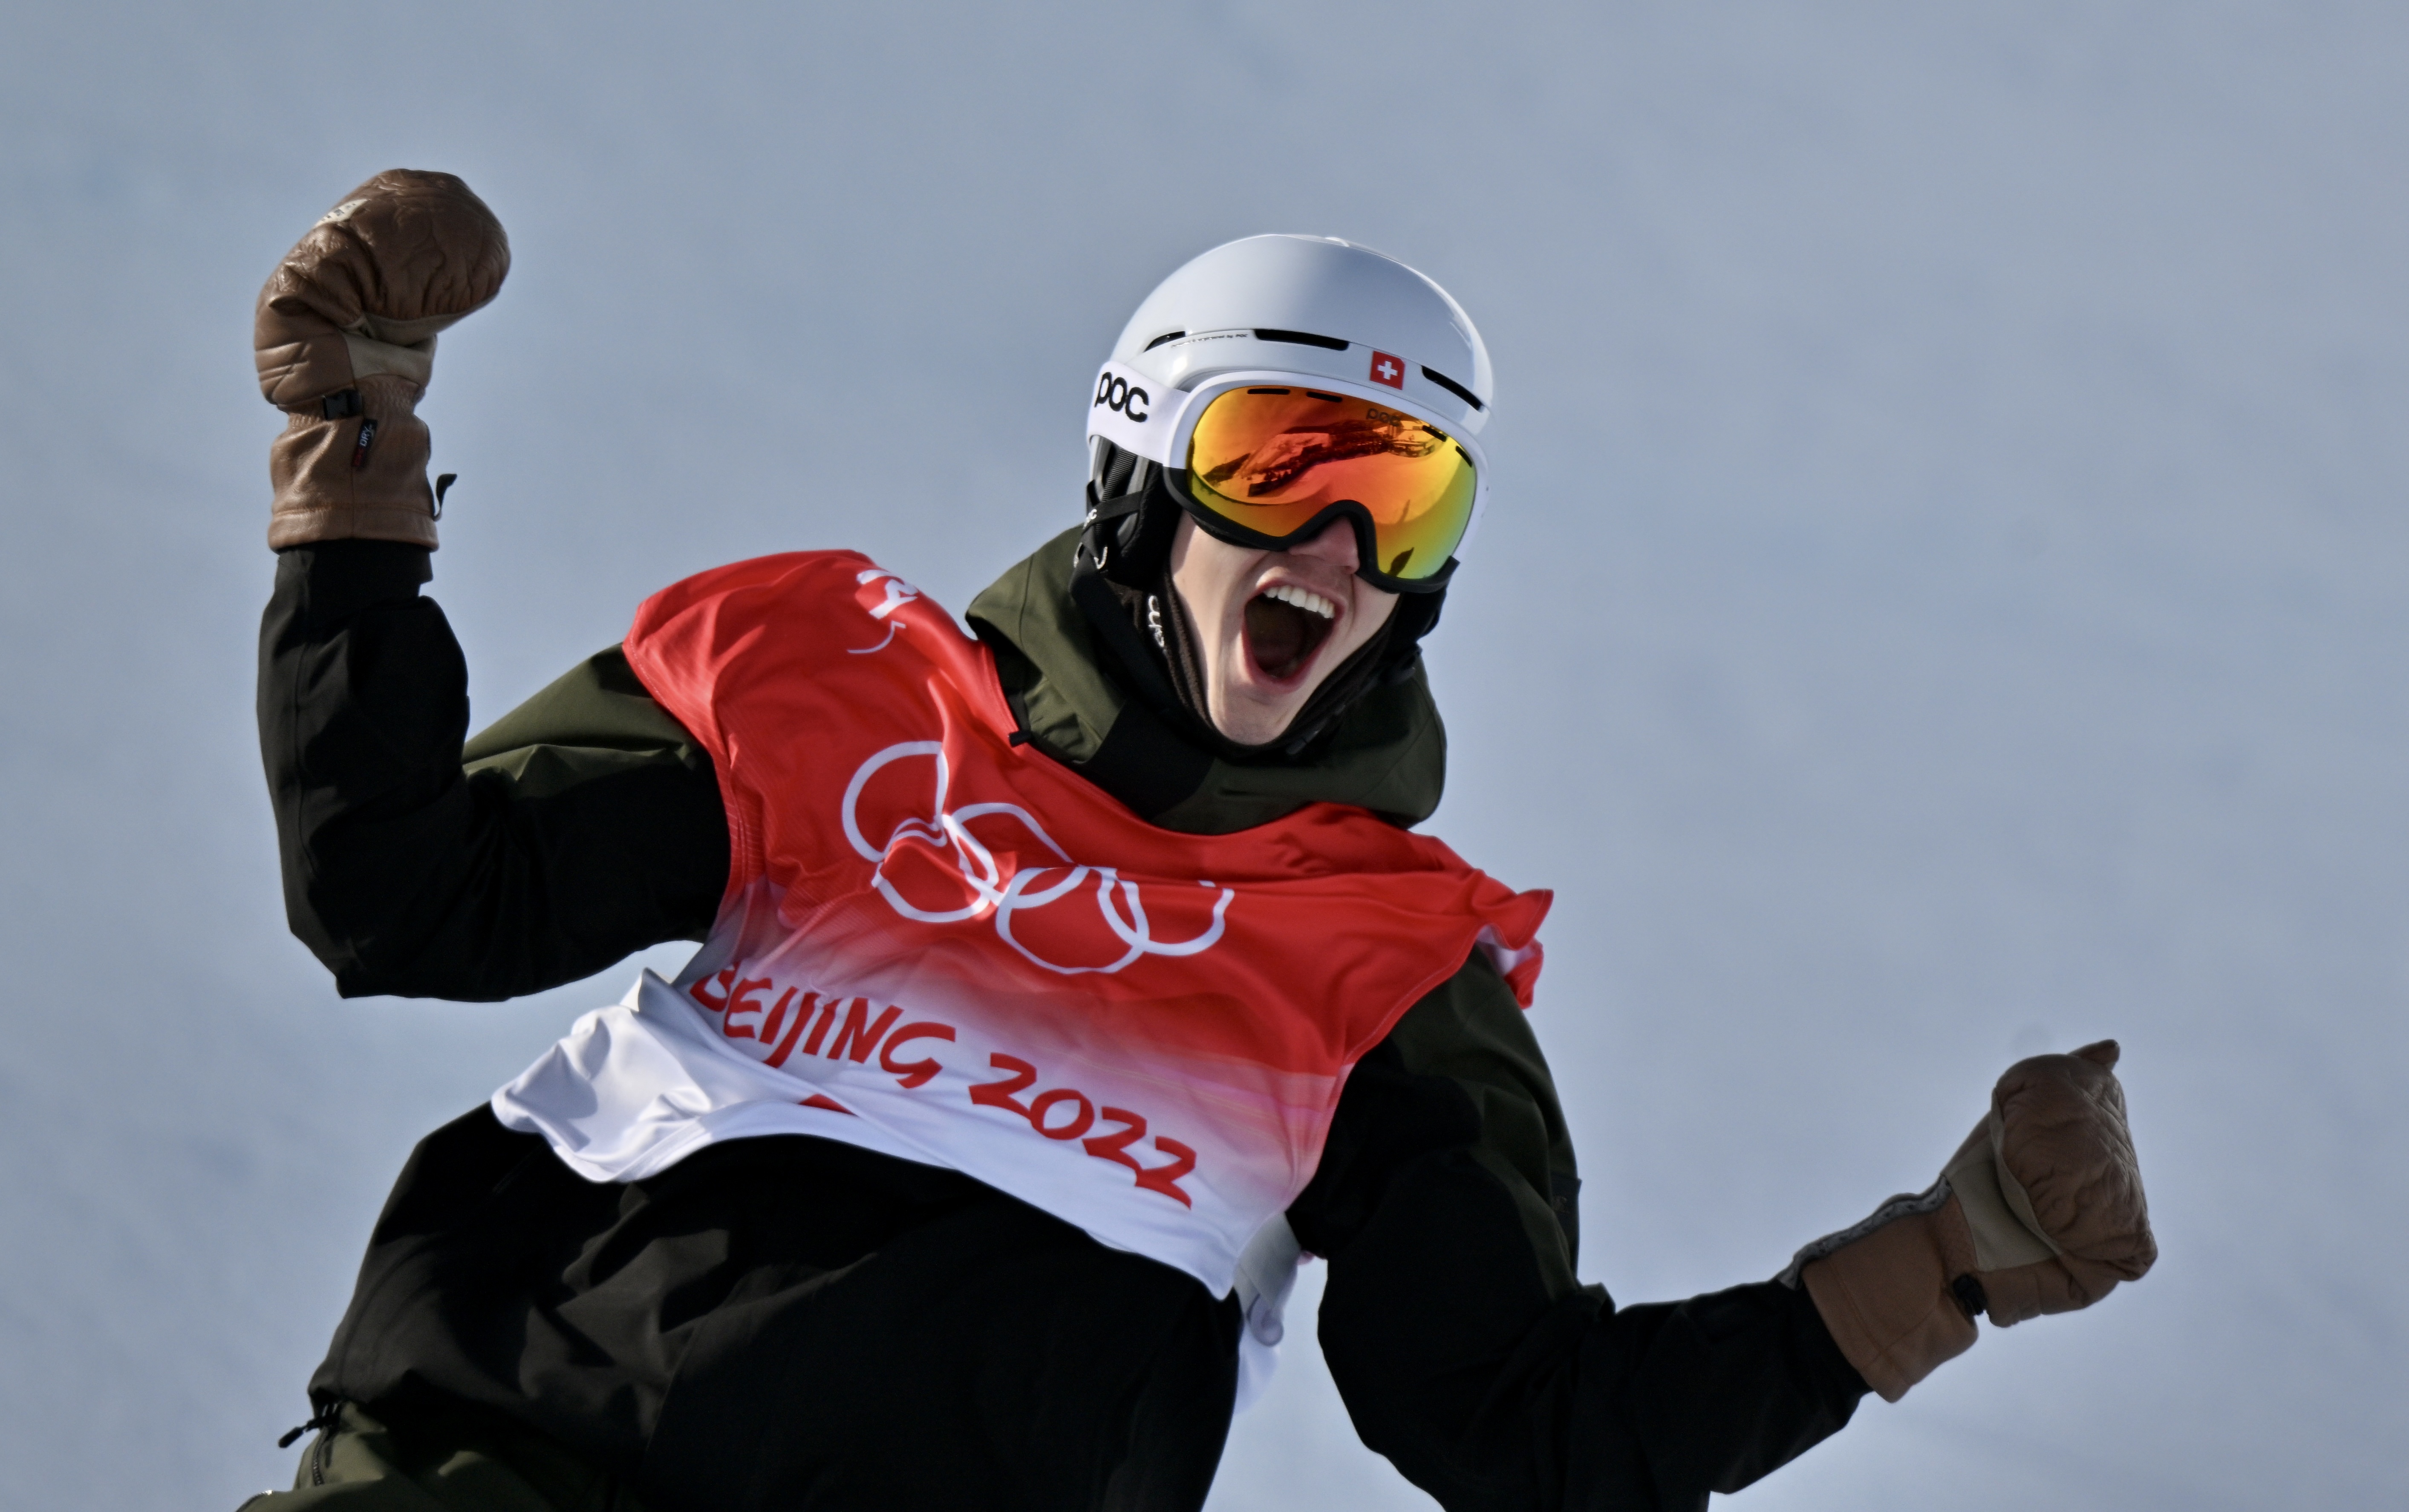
x=1271 y=624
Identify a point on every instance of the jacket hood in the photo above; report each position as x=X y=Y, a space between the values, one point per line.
x=1387 y=753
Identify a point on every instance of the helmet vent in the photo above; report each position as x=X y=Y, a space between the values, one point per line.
x=1453 y=387
x=1303 y=338
x=1167 y=335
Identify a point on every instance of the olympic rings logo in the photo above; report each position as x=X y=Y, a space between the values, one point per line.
x=1117 y=902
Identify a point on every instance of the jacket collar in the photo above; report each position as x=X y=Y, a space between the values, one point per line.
x=1388 y=754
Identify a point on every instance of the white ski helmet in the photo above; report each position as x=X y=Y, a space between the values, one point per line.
x=1271 y=309
x=1314 y=306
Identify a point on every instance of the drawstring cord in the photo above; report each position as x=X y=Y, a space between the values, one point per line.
x=328 y=1417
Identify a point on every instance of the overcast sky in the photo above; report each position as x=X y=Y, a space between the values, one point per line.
x=1943 y=599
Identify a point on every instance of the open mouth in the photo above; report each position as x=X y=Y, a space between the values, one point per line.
x=1285 y=625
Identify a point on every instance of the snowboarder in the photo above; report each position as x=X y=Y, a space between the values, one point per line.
x=1060 y=987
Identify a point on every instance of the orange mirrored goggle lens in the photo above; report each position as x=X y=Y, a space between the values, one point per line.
x=1270 y=459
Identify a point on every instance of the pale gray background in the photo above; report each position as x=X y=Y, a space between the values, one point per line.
x=1945 y=599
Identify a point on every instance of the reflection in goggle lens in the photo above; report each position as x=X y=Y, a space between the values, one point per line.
x=1269 y=459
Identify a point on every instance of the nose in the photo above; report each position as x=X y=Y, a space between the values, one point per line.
x=1336 y=545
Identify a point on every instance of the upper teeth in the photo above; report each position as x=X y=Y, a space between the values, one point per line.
x=1303 y=598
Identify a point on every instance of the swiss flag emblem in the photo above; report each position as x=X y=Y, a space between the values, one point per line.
x=1388 y=369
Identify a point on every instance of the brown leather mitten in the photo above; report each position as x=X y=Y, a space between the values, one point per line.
x=345 y=340
x=2040 y=1211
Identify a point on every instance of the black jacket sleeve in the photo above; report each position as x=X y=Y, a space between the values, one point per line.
x=585 y=826
x=1465 y=1348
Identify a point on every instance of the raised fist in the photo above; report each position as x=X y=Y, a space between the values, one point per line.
x=2057 y=1151
x=344 y=336
x=2040 y=1211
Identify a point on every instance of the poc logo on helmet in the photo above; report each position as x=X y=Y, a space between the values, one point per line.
x=1115 y=393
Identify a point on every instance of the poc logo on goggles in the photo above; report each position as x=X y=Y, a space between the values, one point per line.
x=1135 y=413
x=1117 y=394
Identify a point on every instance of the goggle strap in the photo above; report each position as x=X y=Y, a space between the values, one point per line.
x=1113 y=507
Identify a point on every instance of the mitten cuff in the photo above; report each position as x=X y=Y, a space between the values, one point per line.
x=1886 y=1298
x=353 y=467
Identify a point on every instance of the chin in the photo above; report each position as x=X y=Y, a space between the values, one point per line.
x=1261 y=730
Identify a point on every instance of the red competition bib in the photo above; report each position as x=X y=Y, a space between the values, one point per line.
x=945 y=946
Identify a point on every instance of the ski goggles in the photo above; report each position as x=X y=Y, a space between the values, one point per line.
x=1271 y=464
